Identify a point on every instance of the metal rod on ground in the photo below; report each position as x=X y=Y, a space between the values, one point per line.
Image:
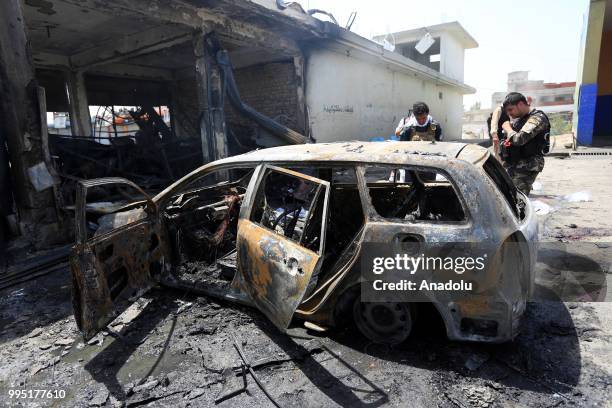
x=244 y=360
x=34 y=268
x=22 y=279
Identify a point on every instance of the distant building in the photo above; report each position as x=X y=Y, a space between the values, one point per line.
x=447 y=53
x=549 y=97
x=475 y=124
x=444 y=59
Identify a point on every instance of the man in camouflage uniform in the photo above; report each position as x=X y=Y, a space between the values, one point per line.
x=525 y=141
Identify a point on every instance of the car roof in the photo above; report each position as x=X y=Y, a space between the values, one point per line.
x=366 y=152
x=438 y=154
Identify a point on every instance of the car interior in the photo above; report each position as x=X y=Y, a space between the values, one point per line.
x=413 y=194
x=202 y=220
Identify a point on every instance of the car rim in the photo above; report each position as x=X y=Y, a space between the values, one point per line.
x=388 y=323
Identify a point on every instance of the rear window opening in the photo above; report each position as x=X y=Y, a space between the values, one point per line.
x=504 y=183
x=412 y=194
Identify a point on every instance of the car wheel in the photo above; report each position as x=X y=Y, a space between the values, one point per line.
x=388 y=323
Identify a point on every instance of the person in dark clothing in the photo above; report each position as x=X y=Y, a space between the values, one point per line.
x=526 y=141
x=419 y=126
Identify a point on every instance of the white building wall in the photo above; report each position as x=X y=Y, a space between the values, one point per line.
x=452 y=56
x=352 y=99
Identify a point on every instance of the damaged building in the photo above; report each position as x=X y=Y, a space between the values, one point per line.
x=233 y=76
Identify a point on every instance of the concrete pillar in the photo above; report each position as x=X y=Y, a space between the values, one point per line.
x=20 y=121
x=210 y=99
x=588 y=68
x=80 y=120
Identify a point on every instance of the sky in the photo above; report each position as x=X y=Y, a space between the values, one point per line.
x=539 y=36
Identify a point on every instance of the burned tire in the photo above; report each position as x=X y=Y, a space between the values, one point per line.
x=387 y=323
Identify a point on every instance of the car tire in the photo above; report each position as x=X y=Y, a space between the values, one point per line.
x=384 y=322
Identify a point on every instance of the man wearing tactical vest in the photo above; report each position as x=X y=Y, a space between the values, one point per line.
x=525 y=141
x=419 y=126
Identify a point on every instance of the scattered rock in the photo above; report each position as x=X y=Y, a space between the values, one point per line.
x=38 y=368
x=98 y=339
x=35 y=333
x=184 y=307
x=64 y=342
x=99 y=398
x=114 y=402
x=573 y=226
x=148 y=386
x=45 y=346
x=203 y=328
x=479 y=396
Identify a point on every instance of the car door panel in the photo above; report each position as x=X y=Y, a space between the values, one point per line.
x=275 y=270
x=115 y=266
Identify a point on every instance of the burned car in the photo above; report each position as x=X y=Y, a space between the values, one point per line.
x=282 y=229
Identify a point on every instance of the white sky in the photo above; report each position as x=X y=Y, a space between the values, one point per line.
x=540 y=36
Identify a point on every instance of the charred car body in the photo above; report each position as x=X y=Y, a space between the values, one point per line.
x=282 y=229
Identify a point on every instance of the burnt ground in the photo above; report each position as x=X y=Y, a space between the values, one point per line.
x=174 y=349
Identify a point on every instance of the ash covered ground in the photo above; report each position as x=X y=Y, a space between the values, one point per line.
x=175 y=349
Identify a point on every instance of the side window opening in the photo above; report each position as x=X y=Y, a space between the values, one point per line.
x=504 y=183
x=111 y=205
x=345 y=212
x=290 y=206
x=413 y=194
x=345 y=216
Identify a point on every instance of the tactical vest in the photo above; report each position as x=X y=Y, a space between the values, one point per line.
x=427 y=135
x=538 y=146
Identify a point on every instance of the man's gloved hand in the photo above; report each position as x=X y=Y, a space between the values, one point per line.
x=406 y=131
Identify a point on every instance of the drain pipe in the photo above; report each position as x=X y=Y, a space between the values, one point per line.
x=288 y=135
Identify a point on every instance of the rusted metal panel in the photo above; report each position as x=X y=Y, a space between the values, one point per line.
x=109 y=273
x=274 y=270
x=117 y=265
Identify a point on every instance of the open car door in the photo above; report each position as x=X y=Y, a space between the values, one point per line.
x=280 y=243
x=117 y=263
